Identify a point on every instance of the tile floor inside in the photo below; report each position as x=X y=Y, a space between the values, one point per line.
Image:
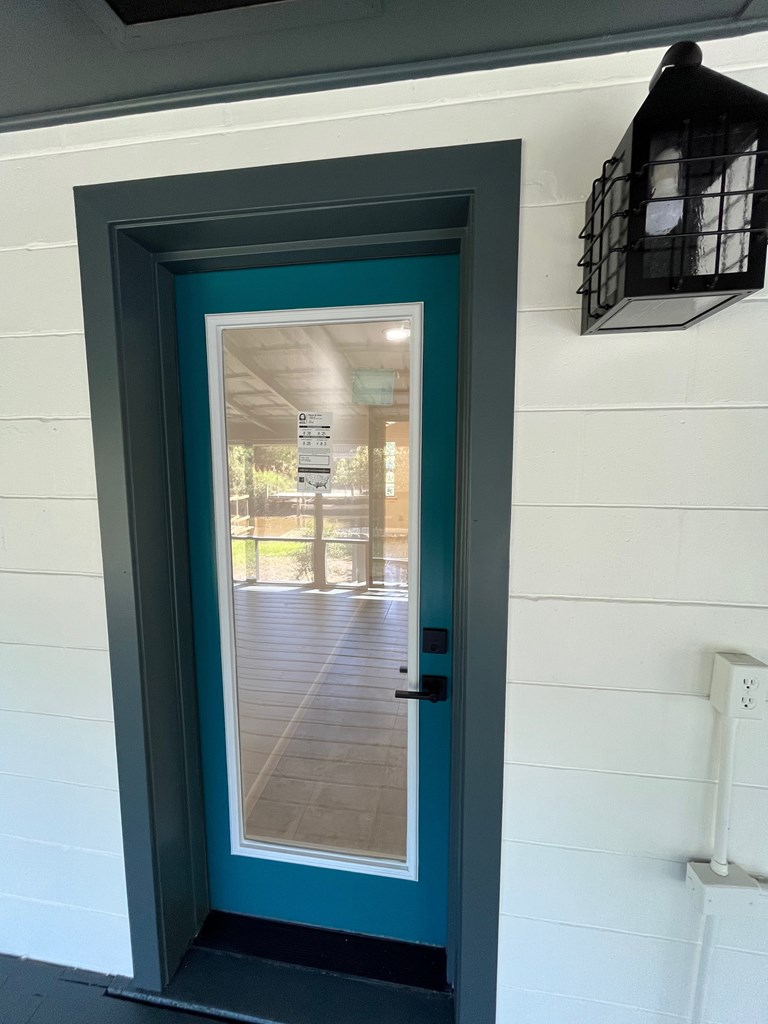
x=323 y=738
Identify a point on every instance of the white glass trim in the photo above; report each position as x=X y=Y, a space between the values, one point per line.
x=215 y=324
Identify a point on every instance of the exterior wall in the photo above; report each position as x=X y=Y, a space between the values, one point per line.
x=640 y=545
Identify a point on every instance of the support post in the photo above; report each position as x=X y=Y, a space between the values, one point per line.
x=318 y=547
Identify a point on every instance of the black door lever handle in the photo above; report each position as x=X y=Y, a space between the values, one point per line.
x=433 y=689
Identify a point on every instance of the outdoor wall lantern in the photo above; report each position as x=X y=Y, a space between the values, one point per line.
x=676 y=223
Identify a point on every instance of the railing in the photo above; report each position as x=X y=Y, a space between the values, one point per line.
x=316 y=568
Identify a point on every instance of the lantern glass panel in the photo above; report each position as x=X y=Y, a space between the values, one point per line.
x=698 y=206
x=655 y=314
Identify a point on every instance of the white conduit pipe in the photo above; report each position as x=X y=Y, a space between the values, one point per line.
x=719 y=862
x=702 y=969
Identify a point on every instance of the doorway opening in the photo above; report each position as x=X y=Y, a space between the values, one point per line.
x=136 y=239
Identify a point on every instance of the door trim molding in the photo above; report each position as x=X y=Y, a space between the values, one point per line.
x=133 y=237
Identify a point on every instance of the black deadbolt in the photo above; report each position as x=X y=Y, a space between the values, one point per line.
x=434 y=641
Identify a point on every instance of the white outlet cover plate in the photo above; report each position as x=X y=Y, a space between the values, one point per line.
x=729 y=695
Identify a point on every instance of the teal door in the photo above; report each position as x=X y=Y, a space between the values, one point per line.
x=319 y=420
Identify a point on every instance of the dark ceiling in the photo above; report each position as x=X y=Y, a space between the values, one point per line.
x=66 y=60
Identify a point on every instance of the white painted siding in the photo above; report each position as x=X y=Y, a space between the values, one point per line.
x=639 y=546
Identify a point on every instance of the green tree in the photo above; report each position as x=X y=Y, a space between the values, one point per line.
x=351 y=471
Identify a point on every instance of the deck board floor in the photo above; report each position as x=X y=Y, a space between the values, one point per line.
x=323 y=739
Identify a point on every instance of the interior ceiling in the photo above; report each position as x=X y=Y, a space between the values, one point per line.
x=68 y=60
x=273 y=373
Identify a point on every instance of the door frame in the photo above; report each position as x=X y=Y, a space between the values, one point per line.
x=133 y=237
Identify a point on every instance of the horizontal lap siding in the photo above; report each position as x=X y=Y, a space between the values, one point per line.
x=42 y=534
x=72 y=683
x=641 y=733
x=66 y=813
x=47 y=458
x=638 y=548
x=53 y=610
x=625 y=372
x=64 y=934
x=625 y=813
x=658 y=457
x=635 y=644
x=44 y=376
x=62 y=883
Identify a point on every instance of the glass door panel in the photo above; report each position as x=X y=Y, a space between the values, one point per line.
x=316 y=417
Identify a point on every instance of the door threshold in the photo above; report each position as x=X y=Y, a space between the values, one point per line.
x=254 y=990
x=366 y=956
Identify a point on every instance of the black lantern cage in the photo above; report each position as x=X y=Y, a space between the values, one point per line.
x=676 y=222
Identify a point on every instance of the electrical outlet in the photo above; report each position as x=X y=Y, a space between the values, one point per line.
x=739 y=686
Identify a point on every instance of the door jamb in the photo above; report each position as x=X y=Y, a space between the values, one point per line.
x=133 y=237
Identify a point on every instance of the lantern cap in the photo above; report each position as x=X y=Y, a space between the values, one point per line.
x=684 y=89
x=686 y=53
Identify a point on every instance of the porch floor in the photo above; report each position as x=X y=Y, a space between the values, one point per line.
x=243 y=989
x=47 y=994
x=322 y=737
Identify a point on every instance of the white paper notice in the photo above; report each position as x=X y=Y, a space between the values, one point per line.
x=315 y=452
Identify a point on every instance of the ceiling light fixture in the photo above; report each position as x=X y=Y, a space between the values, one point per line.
x=401 y=333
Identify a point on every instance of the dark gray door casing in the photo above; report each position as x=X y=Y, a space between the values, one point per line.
x=133 y=237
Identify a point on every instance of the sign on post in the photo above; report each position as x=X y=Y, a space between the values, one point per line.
x=315 y=452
